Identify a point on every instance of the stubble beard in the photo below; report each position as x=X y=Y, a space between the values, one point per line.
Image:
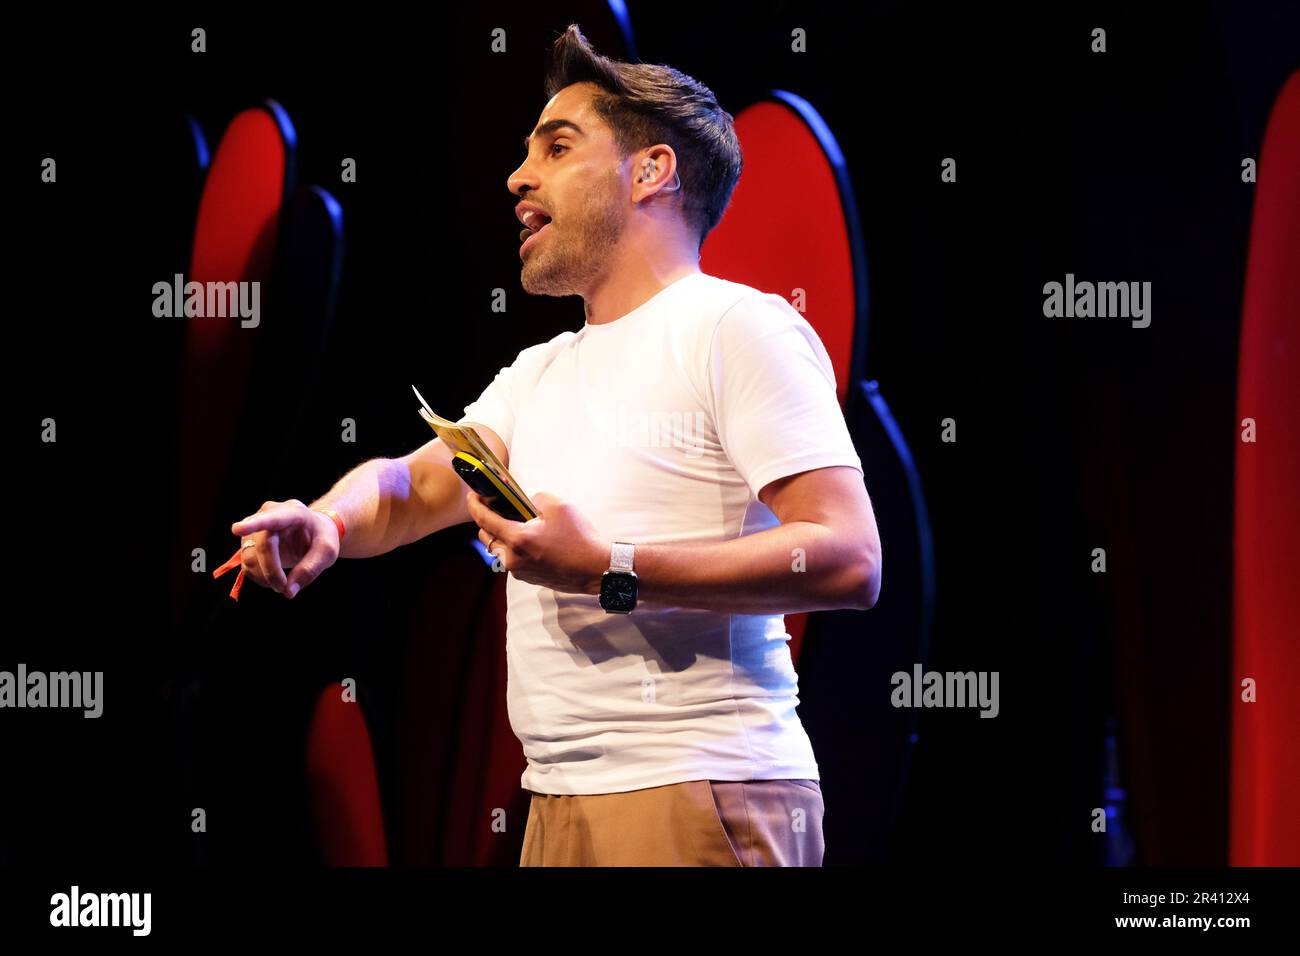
x=567 y=262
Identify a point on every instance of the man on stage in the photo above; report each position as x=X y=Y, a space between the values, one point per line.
x=695 y=478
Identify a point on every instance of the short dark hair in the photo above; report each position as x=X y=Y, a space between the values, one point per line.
x=646 y=104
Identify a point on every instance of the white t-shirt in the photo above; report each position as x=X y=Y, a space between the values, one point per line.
x=662 y=426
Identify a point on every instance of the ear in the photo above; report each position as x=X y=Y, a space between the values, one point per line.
x=654 y=170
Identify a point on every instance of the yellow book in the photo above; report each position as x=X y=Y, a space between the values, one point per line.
x=478 y=467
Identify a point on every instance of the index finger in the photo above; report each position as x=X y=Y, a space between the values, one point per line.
x=277 y=519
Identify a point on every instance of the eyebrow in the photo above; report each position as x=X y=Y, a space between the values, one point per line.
x=550 y=127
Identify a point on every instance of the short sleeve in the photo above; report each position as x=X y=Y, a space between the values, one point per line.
x=508 y=392
x=495 y=407
x=772 y=385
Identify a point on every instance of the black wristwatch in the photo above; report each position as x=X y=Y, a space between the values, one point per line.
x=618 y=584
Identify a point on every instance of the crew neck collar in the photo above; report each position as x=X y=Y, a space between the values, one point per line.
x=603 y=327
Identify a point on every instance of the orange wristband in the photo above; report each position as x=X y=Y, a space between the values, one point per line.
x=338 y=522
x=237 y=558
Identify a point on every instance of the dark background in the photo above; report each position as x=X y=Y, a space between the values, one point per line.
x=1071 y=434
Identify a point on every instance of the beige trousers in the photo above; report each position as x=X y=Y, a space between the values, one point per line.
x=695 y=823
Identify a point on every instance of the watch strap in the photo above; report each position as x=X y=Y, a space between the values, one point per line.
x=620 y=556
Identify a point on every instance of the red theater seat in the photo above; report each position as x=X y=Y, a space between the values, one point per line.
x=1265 y=826
x=340 y=769
x=238 y=219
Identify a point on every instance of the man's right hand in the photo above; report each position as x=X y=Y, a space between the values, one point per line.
x=286 y=534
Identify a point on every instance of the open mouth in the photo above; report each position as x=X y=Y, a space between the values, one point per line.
x=537 y=223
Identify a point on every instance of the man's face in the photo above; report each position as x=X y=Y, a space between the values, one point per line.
x=576 y=176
